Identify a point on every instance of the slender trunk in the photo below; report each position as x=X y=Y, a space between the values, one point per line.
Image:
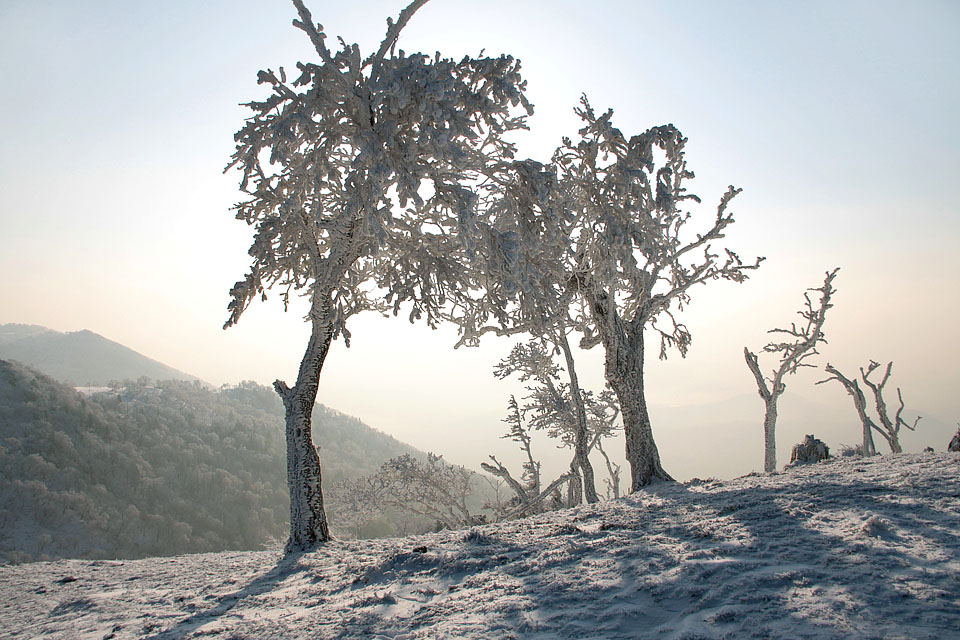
x=769 y=394
x=308 y=520
x=581 y=436
x=869 y=448
x=770 y=434
x=614 y=473
x=574 y=487
x=534 y=468
x=895 y=444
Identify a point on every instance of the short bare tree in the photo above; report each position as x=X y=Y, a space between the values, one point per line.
x=563 y=410
x=799 y=343
x=362 y=176
x=888 y=428
x=431 y=489
x=529 y=496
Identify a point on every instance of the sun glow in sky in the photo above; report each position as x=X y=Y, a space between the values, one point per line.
x=839 y=121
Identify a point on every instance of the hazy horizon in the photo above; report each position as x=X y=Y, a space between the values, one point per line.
x=837 y=120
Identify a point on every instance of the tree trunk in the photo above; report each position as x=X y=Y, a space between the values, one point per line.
x=869 y=448
x=895 y=444
x=581 y=438
x=624 y=372
x=575 y=486
x=770 y=434
x=769 y=395
x=308 y=520
x=623 y=369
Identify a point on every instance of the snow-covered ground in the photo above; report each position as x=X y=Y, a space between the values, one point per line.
x=866 y=548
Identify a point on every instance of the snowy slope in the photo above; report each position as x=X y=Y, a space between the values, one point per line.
x=849 y=548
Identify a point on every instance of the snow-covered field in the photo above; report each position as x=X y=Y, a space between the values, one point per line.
x=866 y=548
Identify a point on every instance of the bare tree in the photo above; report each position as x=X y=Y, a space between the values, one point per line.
x=432 y=489
x=800 y=343
x=355 y=503
x=335 y=161
x=563 y=409
x=604 y=412
x=529 y=498
x=529 y=483
x=526 y=289
x=888 y=428
x=635 y=258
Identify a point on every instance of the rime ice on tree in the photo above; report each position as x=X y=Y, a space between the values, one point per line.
x=799 y=344
x=336 y=162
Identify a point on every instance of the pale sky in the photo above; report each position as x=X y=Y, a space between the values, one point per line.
x=838 y=119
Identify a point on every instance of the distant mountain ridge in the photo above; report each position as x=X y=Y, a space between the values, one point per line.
x=80 y=357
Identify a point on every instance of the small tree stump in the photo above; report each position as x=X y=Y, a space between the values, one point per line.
x=808 y=451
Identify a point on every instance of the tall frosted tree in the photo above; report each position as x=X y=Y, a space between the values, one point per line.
x=598 y=241
x=636 y=258
x=798 y=343
x=362 y=177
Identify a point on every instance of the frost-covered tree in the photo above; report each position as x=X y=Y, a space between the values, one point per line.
x=529 y=497
x=529 y=481
x=635 y=257
x=361 y=174
x=799 y=343
x=889 y=428
x=527 y=290
x=563 y=410
x=432 y=489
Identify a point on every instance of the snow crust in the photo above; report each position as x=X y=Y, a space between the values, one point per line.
x=865 y=548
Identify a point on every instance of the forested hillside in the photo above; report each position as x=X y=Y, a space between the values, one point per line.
x=155 y=468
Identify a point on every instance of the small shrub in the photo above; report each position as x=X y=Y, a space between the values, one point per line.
x=808 y=451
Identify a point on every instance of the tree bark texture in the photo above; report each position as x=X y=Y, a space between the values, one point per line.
x=770 y=397
x=308 y=520
x=575 y=486
x=623 y=367
x=770 y=434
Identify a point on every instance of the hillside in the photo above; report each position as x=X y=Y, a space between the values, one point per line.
x=80 y=357
x=853 y=548
x=156 y=468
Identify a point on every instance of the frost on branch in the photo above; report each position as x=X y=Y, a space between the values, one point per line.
x=433 y=490
x=634 y=257
x=362 y=178
x=551 y=406
x=798 y=343
x=888 y=428
x=598 y=242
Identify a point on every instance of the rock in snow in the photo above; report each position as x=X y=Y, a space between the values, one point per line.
x=855 y=547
